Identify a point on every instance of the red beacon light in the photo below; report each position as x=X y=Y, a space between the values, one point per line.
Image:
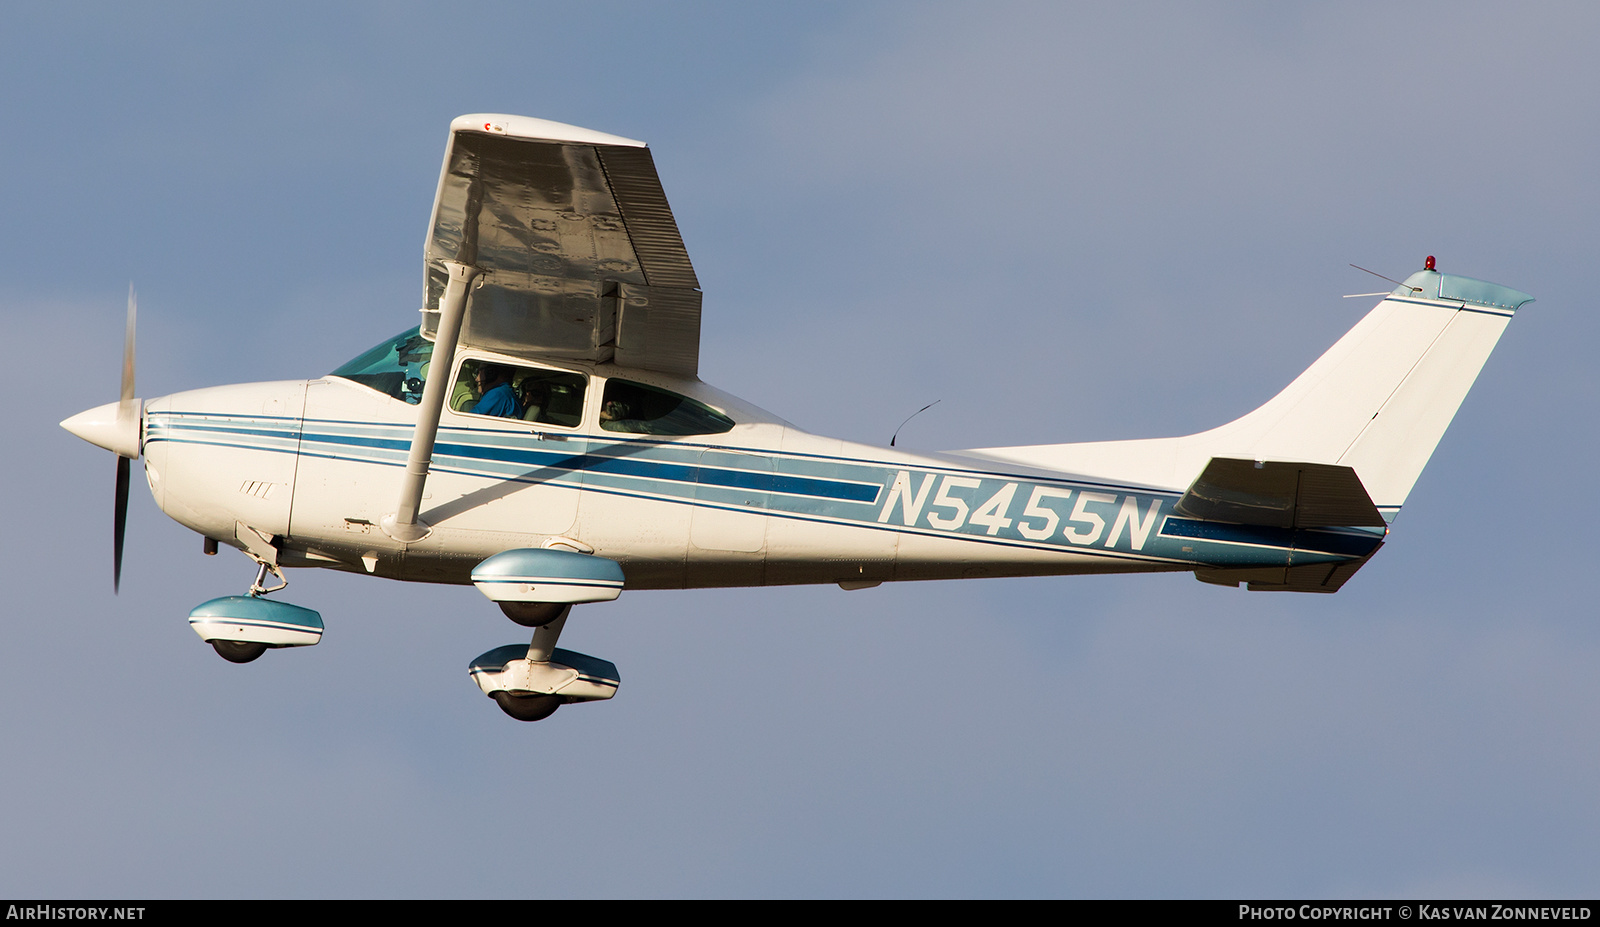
x=1428 y=264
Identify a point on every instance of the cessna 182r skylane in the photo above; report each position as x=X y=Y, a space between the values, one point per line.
x=543 y=435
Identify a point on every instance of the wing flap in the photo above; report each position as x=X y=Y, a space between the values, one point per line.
x=658 y=327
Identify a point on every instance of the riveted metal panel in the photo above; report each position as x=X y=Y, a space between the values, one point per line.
x=560 y=229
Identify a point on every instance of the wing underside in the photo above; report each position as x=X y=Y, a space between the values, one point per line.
x=579 y=254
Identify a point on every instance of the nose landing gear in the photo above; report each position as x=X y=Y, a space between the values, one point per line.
x=240 y=628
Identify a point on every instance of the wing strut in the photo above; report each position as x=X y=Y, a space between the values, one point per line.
x=404 y=525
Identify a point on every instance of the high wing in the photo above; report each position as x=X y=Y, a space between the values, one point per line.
x=578 y=253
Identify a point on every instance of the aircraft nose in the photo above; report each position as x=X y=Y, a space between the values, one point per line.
x=113 y=426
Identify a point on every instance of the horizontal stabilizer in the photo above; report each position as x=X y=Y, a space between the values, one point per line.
x=1280 y=494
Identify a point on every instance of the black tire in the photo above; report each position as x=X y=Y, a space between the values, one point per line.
x=534 y=614
x=527 y=707
x=238 y=651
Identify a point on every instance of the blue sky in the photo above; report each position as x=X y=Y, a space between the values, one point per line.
x=1067 y=222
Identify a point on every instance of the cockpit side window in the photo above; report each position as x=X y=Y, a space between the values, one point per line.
x=648 y=410
x=531 y=394
x=397 y=367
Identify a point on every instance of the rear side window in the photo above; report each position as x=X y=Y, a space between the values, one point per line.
x=646 y=410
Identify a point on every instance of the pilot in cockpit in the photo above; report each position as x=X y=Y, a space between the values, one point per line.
x=496 y=396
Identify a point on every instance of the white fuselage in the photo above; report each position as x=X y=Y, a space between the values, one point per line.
x=597 y=458
x=301 y=473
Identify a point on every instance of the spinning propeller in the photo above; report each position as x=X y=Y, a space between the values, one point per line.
x=115 y=426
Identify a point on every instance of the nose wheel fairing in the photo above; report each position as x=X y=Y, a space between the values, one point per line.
x=255 y=620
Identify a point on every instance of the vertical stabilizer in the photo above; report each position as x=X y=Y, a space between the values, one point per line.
x=1378 y=401
x=1381 y=398
x=1397 y=441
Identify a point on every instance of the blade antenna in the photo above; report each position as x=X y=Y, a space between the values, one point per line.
x=910 y=417
x=1414 y=289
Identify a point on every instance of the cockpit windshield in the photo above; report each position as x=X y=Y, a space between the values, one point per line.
x=397 y=367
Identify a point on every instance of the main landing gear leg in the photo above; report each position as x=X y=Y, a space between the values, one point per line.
x=536 y=588
x=530 y=681
x=536 y=707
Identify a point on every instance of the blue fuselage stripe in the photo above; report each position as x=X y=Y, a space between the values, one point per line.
x=931 y=499
x=1304 y=539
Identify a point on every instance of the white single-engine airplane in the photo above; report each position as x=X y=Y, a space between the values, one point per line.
x=543 y=435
